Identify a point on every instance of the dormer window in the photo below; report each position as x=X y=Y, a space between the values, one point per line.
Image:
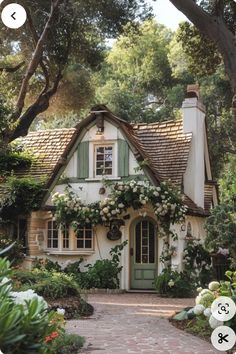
x=104 y=160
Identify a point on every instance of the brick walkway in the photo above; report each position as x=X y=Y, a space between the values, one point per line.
x=136 y=323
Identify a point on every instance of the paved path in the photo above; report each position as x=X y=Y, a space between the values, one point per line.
x=136 y=323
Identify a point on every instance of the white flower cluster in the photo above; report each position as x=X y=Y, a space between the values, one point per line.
x=136 y=194
x=223 y=251
x=22 y=297
x=61 y=311
x=70 y=201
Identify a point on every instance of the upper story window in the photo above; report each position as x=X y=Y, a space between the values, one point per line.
x=104 y=163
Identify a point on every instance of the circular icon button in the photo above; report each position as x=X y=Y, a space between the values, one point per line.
x=223 y=308
x=223 y=338
x=14 y=16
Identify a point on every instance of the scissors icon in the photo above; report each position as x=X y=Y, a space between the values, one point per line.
x=222 y=338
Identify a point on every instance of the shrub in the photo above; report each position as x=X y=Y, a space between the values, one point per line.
x=66 y=344
x=25 y=279
x=57 y=285
x=47 y=264
x=73 y=268
x=104 y=274
x=173 y=284
x=24 y=320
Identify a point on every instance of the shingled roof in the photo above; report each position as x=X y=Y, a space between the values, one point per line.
x=167 y=147
x=47 y=148
x=164 y=145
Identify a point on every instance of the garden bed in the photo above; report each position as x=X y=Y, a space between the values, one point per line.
x=74 y=307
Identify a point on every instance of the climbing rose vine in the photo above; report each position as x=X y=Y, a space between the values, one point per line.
x=166 y=202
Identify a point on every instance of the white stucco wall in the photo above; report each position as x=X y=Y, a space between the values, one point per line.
x=88 y=190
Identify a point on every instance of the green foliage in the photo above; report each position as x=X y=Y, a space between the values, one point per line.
x=173 y=284
x=15 y=252
x=13 y=161
x=227 y=182
x=197 y=263
x=66 y=344
x=201 y=53
x=221 y=224
x=221 y=228
x=136 y=79
x=56 y=286
x=104 y=274
x=47 y=264
x=75 y=43
x=24 y=324
x=73 y=268
x=23 y=279
x=24 y=195
x=49 y=284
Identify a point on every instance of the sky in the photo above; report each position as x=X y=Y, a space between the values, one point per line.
x=167 y=14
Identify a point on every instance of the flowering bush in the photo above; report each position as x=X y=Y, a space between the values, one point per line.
x=165 y=200
x=206 y=297
x=197 y=262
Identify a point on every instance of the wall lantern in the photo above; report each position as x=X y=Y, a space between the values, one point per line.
x=114 y=233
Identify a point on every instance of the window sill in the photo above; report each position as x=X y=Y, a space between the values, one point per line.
x=99 y=179
x=69 y=253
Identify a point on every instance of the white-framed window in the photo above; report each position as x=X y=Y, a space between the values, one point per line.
x=66 y=241
x=84 y=238
x=52 y=234
x=65 y=238
x=104 y=156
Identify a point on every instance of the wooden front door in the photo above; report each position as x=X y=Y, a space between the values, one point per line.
x=143 y=254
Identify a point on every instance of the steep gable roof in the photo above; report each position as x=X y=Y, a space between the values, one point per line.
x=164 y=145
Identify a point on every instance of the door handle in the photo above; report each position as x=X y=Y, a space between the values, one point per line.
x=131 y=251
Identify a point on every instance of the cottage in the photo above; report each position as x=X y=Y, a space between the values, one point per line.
x=105 y=147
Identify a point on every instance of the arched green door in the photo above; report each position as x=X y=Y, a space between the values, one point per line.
x=143 y=253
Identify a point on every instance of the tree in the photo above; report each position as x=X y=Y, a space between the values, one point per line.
x=216 y=19
x=136 y=79
x=57 y=34
x=221 y=225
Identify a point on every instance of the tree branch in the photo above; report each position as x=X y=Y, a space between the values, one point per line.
x=13 y=68
x=36 y=39
x=216 y=29
x=35 y=61
x=40 y=105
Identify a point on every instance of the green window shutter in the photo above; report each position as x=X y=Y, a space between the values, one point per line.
x=83 y=160
x=123 y=158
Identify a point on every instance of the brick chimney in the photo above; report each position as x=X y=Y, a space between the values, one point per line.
x=194 y=122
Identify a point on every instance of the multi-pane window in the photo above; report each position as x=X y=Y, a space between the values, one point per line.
x=144 y=242
x=65 y=237
x=103 y=160
x=84 y=237
x=52 y=233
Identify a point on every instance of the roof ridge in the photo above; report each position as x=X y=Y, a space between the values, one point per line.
x=50 y=130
